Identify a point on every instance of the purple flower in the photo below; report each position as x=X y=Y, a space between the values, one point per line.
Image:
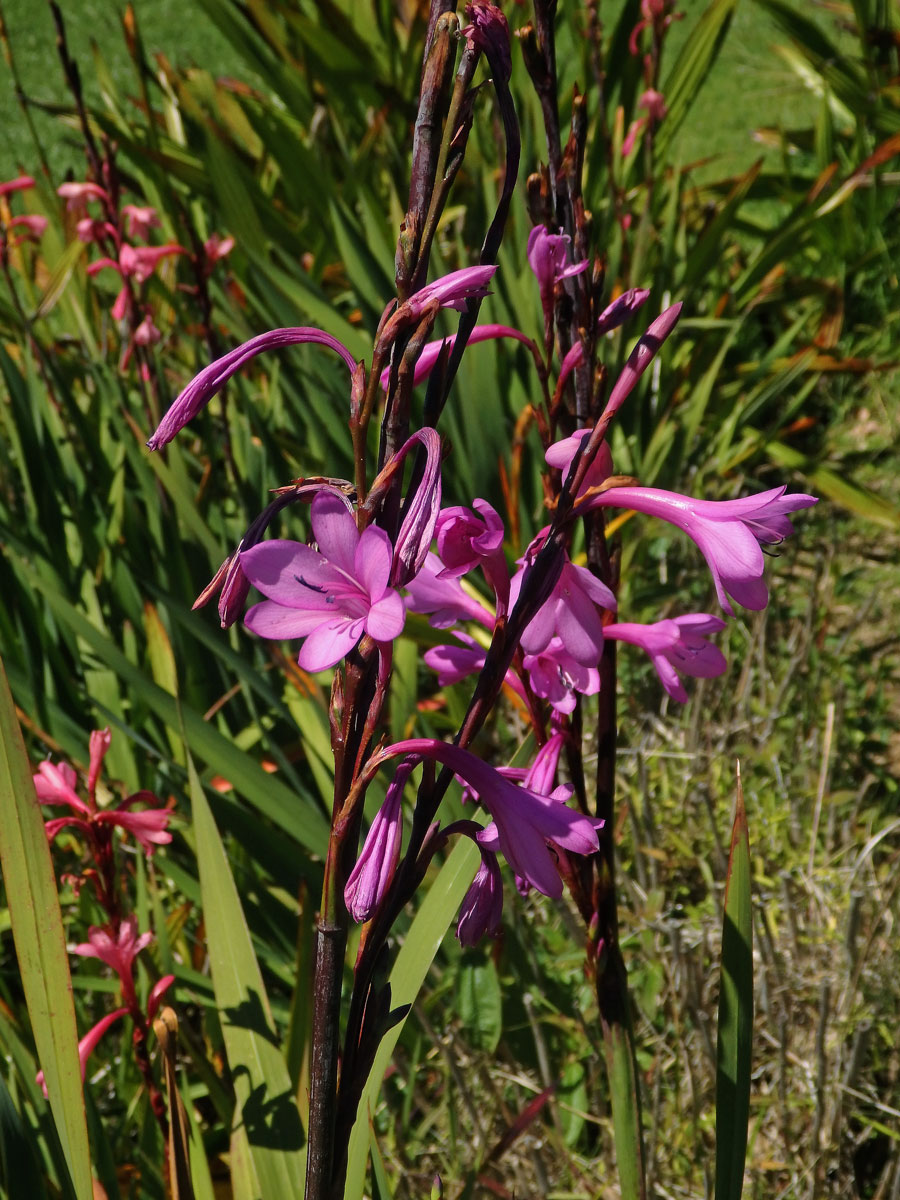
x=211 y=379
x=728 y=532
x=556 y=677
x=524 y=821
x=677 y=644
x=548 y=257
x=431 y=592
x=571 y=613
x=454 y=290
x=482 y=908
x=453 y=663
x=330 y=596
x=490 y=33
x=621 y=309
x=561 y=454
x=465 y=541
x=431 y=352
x=374 y=870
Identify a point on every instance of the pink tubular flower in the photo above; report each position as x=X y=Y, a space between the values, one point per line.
x=141 y=261
x=330 y=597
x=561 y=454
x=431 y=352
x=728 y=532
x=451 y=663
x=524 y=821
x=489 y=31
x=571 y=613
x=140 y=219
x=548 y=257
x=420 y=509
x=558 y=678
x=20 y=184
x=375 y=867
x=88 y=1044
x=677 y=644
x=147 y=333
x=648 y=346
x=481 y=911
x=118 y=949
x=465 y=541
x=92 y=229
x=216 y=247
x=445 y=599
x=211 y=379
x=76 y=195
x=55 y=784
x=34 y=224
x=452 y=291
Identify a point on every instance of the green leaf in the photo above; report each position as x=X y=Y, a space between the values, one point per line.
x=40 y=943
x=479 y=1002
x=735 y=1015
x=697 y=57
x=18 y=1161
x=626 y=1109
x=266 y=1112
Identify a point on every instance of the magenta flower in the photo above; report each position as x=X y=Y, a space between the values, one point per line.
x=76 y=196
x=451 y=663
x=572 y=612
x=217 y=247
x=548 y=256
x=420 y=510
x=431 y=352
x=466 y=540
x=140 y=219
x=728 y=532
x=118 y=949
x=524 y=822
x=677 y=644
x=558 y=678
x=34 y=225
x=454 y=290
x=213 y=378
x=648 y=346
x=330 y=596
x=375 y=867
x=481 y=911
x=431 y=592
x=489 y=31
x=561 y=454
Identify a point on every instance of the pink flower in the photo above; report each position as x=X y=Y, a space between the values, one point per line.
x=431 y=592
x=88 y=1044
x=465 y=541
x=562 y=453
x=481 y=911
x=548 y=256
x=216 y=247
x=558 y=678
x=655 y=105
x=118 y=949
x=330 y=597
x=420 y=509
x=572 y=612
x=34 y=225
x=728 y=532
x=140 y=219
x=524 y=821
x=677 y=644
x=141 y=261
x=213 y=378
x=489 y=31
x=375 y=867
x=431 y=352
x=92 y=229
x=20 y=184
x=146 y=333
x=76 y=196
x=454 y=290
x=55 y=784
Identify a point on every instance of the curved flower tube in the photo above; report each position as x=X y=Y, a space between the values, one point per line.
x=728 y=532
x=431 y=352
x=211 y=379
x=676 y=644
x=524 y=821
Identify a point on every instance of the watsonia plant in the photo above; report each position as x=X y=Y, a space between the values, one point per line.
x=543 y=636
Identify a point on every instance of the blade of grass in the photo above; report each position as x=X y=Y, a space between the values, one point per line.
x=266 y=1110
x=40 y=943
x=735 y=1015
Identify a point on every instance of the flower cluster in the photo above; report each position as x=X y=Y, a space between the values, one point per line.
x=354 y=581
